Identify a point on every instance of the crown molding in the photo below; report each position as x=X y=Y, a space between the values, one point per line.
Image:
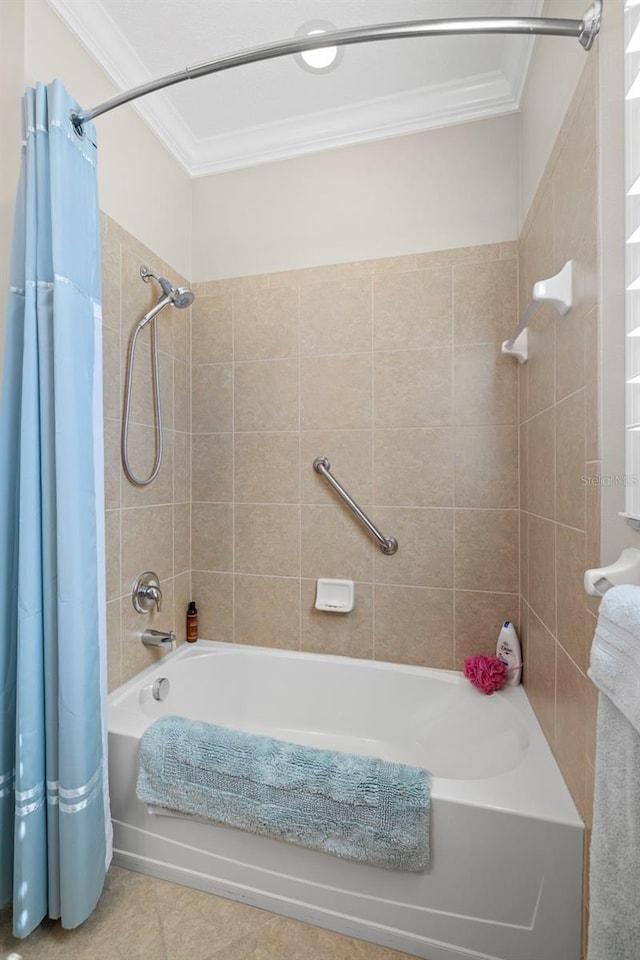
x=485 y=95
x=417 y=110
x=115 y=56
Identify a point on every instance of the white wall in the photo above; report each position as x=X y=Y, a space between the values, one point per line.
x=556 y=64
x=457 y=186
x=141 y=185
x=11 y=77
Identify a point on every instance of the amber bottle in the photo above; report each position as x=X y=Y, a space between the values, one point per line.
x=192 y=622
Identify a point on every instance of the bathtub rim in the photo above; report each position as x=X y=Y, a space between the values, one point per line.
x=518 y=792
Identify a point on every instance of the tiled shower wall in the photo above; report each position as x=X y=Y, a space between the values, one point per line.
x=392 y=369
x=560 y=450
x=147 y=528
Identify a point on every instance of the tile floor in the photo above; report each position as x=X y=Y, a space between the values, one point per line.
x=140 y=918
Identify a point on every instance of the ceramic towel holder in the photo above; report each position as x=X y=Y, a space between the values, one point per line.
x=558 y=291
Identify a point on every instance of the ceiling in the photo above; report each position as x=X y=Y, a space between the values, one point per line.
x=274 y=109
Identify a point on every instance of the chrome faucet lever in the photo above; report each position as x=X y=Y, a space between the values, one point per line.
x=147 y=593
x=152 y=593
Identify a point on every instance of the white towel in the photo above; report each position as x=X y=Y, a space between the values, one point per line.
x=614 y=926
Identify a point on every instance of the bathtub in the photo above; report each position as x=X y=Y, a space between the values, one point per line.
x=505 y=877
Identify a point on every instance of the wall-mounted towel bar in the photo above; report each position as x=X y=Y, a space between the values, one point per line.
x=557 y=290
x=388 y=545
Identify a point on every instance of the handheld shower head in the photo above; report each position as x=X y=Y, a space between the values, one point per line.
x=182 y=297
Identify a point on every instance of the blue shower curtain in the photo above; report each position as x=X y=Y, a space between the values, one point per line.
x=55 y=841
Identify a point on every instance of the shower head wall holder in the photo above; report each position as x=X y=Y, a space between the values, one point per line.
x=557 y=291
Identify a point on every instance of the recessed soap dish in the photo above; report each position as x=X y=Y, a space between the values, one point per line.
x=335 y=596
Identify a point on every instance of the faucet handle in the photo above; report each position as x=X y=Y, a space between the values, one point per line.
x=146 y=592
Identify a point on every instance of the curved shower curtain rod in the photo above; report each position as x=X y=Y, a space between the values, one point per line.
x=585 y=31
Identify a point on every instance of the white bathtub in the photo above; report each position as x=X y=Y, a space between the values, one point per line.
x=505 y=877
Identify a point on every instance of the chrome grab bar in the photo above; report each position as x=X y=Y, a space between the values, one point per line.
x=388 y=545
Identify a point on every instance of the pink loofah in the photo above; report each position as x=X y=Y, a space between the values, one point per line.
x=486 y=673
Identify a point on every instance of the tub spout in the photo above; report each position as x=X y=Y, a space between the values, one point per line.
x=158 y=638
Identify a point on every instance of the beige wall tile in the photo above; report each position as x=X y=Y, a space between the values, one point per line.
x=142 y=391
x=212 y=398
x=336 y=392
x=136 y=297
x=212 y=329
x=570 y=559
x=486 y=466
x=348 y=635
x=212 y=536
x=541 y=464
x=413 y=625
x=485 y=301
x=336 y=317
x=182 y=396
x=523 y=391
x=147 y=543
x=524 y=555
x=487 y=550
x=181 y=538
x=182 y=336
x=350 y=453
x=539 y=675
x=182 y=467
x=575 y=197
x=265 y=324
x=112 y=538
x=267 y=539
x=267 y=467
x=413 y=468
x=592 y=402
x=486 y=386
x=425 y=552
x=524 y=465
x=267 y=611
x=112 y=389
x=266 y=395
x=142 y=458
x=541 y=362
x=110 y=243
x=212 y=466
x=570 y=461
x=536 y=245
x=213 y=594
x=412 y=310
x=413 y=388
x=479 y=618
x=570 y=333
x=542 y=570
x=181 y=599
x=334 y=544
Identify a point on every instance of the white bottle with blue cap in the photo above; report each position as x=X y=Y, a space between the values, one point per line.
x=510 y=652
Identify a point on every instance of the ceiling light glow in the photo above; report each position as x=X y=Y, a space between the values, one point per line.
x=318 y=59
